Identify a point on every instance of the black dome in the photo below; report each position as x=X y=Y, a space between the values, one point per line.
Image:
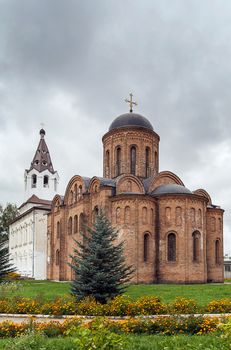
x=130 y=119
x=171 y=189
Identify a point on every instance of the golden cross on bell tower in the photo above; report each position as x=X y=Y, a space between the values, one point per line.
x=131 y=102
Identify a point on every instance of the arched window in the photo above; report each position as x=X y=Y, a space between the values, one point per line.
x=57 y=257
x=171 y=247
x=118 y=161
x=46 y=181
x=147 y=162
x=133 y=160
x=167 y=216
x=156 y=160
x=75 y=224
x=80 y=191
x=144 y=215
x=127 y=215
x=75 y=193
x=192 y=216
x=196 y=246
x=213 y=224
x=178 y=216
x=146 y=247
x=33 y=181
x=118 y=215
x=199 y=218
x=217 y=251
x=55 y=185
x=69 y=229
x=71 y=197
x=58 y=229
x=82 y=223
x=107 y=159
x=95 y=214
x=152 y=216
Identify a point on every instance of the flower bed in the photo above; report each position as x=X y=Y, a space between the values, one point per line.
x=160 y=325
x=119 y=306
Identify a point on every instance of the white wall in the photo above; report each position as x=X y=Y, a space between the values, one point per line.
x=28 y=244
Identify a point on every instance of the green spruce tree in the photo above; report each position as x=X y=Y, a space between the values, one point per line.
x=99 y=263
x=5 y=264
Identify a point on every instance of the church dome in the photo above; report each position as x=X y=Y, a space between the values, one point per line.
x=130 y=120
x=171 y=189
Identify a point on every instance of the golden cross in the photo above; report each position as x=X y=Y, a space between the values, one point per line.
x=131 y=102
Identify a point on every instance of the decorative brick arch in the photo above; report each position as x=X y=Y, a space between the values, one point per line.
x=164 y=178
x=94 y=185
x=56 y=203
x=74 y=183
x=203 y=193
x=126 y=181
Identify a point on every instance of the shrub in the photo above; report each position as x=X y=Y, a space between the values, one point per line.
x=31 y=341
x=97 y=336
x=183 y=306
x=219 y=306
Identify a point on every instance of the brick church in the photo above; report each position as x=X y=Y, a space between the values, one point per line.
x=171 y=234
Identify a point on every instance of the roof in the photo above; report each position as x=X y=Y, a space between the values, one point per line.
x=42 y=159
x=35 y=200
x=131 y=120
x=171 y=189
x=107 y=182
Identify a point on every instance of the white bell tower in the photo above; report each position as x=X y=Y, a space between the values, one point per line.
x=41 y=179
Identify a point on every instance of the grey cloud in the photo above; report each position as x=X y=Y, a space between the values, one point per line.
x=71 y=63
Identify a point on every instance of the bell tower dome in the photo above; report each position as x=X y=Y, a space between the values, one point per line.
x=130 y=146
x=41 y=179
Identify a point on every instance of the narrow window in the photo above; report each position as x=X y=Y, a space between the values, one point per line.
x=80 y=191
x=118 y=218
x=133 y=160
x=144 y=215
x=82 y=223
x=34 y=181
x=55 y=185
x=75 y=193
x=196 y=246
x=147 y=162
x=146 y=247
x=127 y=215
x=199 y=218
x=192 y=216
x=171 y=247
x=118 y=161
x=69 y=225
x=75 y=224
x=71 y=197
x=95 y=214
x=213 y=224
x=57 y=257
x=107 y=159
x=58 y=229
x=46 y=181
x=167 y=216
x=178 y=216
x=217 y=252
x=156 y=160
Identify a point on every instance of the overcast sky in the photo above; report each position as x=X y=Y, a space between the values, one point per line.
x=71 y=63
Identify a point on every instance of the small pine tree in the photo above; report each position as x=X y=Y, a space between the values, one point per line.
x=99 y=263
x=5 y=264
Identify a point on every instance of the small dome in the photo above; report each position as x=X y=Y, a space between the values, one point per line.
x=171 y=189
x=130 y=119
x=42 y=132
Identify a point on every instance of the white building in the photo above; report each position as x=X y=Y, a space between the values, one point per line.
x=28 y=232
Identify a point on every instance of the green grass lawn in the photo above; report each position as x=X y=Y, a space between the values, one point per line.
x=143 y=342
x=202 y=293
